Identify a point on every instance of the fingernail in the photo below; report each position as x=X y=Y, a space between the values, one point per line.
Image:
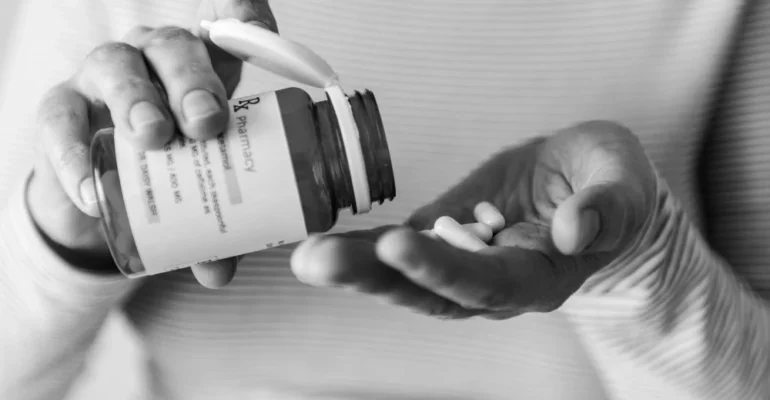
x=144 y=114
x=87 y=193
x=590 y=221
x=199 y=104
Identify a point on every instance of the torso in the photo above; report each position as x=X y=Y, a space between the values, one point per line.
x=455 y=82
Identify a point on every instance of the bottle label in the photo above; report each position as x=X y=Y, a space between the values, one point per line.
x=197 y=201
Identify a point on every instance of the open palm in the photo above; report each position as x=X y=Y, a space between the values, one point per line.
x=572 y=203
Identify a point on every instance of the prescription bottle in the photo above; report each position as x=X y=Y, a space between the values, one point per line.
x=284 y=167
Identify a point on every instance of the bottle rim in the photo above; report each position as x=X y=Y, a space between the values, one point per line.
x=374 y=142
x=351 y=141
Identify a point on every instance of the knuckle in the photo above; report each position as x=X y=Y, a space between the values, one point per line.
x=112 y=51
x=171 y=36
x=599 y=125
x=606 y=131
x=71 y=154
x=192 y=69
x=50 y=101
x=53 y=114
x=136 y=35
x=57 y=110
x=126 y=85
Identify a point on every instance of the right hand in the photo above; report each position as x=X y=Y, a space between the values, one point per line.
x=113 y=88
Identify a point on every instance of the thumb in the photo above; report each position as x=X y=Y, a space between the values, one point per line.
x=257 y=12
x=599 y=218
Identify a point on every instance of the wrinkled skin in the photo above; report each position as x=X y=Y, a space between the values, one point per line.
x=111 y=81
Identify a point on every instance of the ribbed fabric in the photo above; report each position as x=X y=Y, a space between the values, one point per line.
x=456 y=80
x=738 y=193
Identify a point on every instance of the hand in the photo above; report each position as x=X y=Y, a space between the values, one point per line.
x=573 y=202
x=114 y=88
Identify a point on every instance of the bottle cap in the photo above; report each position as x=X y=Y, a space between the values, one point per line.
x=269 y=51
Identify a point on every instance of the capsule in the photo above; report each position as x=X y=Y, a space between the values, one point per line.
x=489 y=215
x=482 y=231
x=455 y=234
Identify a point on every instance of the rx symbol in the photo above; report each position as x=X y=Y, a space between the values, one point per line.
x=244 y=104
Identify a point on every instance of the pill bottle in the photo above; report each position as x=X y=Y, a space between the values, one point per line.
x=284 y=168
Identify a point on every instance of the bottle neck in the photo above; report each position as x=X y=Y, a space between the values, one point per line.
x=379 y=169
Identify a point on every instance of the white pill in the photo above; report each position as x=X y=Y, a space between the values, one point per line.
x=489 y=215
x=482 y=231
x=455 y=234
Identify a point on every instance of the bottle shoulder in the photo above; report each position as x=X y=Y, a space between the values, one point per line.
x=293 y=98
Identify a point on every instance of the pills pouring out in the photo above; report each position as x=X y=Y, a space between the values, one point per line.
x=197 y=201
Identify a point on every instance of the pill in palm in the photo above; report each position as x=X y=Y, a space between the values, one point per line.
x=489 y=215
x=456 y=235
x=482 y=231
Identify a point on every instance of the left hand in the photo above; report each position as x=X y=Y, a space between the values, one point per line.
x=573 y=202
x=152 y=85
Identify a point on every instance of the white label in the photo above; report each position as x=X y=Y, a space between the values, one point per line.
x=202 y=201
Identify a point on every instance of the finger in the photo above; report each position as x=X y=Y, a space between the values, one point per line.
x=64 y=130
x=458 y=275
x=352 y=264
x=116 y=75
x=196 y=95
x=257 y=12
x=613 y=183
x=526 y=235
x=538 y=238
x=599 y=218
x=496 y=279
x=215 y=274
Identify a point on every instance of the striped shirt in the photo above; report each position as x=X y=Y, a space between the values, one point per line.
x=682 y=317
